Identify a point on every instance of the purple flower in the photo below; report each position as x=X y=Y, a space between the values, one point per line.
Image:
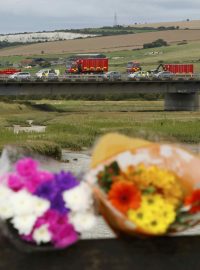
x=66 y=180
x=59 y=204
x=26 y=167
x=34 y=181
x=47 y=190
x=50 y=191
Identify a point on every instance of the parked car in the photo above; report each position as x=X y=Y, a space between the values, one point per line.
x=164 y=75
x=20 y=76
x=45 y=73
x=52 y=75
x=138 y=75
x=112 y=75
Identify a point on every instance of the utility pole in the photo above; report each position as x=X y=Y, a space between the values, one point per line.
x=115 y=20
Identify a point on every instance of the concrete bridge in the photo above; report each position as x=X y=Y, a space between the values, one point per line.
x=178 y=94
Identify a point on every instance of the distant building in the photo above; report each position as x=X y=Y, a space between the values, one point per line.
x=26 y=62
x=85 y=55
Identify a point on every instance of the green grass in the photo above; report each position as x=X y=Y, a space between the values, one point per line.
x=187 y=53
x=81 y=122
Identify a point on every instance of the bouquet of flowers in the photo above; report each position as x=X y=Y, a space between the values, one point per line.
x=45 y=208
x=145 y=188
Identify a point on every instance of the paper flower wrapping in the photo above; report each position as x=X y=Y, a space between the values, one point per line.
x=44 y=207
x=145 y=188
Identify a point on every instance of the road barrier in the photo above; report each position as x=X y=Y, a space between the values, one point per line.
x=97 y=78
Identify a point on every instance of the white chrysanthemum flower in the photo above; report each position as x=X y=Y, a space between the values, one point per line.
x=40 y=206
x=6 y=209
x=42 y=234
x=83 y=221
x=24 y=224
x=78 y=199
x=25 y=203
x=5 y=193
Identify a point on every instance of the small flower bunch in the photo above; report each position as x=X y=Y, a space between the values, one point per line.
x=147 y=196
x=45 y=207
x=151 y=197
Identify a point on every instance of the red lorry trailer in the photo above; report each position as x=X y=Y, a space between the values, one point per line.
x=179 y=68
x=88 y=65
x=9 y=71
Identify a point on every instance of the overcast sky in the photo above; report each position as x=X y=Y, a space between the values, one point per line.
x=39 y=15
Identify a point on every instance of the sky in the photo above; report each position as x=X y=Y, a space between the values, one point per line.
x=44 y=15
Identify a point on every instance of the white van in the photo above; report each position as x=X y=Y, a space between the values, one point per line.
x=45 y=73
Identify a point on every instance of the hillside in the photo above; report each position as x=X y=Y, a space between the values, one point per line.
x=102 y=44
x=193 y=24
x=42 y=36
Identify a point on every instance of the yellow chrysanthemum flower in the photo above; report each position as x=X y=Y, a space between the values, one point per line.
x=164 y=181
x=154 y=216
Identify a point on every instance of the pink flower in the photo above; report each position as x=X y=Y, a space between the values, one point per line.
x=26 y=167
x=27 y=238
x=15 y=182
x=37 y=179
x=50 y=217
x=63 y=233
x=65 y=236
x=44 y=176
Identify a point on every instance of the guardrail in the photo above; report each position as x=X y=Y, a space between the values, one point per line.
x=96 y=78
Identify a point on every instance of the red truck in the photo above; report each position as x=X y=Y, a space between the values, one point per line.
x=179 y=68
x=9 y=71
x=133 y=67
x=87 y=65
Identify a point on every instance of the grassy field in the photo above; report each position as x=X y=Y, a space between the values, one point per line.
x=102 y=44
x=186 y=53
x=76 y=125
x=191 y=24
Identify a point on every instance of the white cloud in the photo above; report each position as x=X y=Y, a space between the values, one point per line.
x=55 y=14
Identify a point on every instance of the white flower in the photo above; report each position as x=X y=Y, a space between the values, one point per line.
x=25 y=203
x=166 y=150
x=40 y=206
x=187 y=157
x=42 y=234
x=24 y=224
x=91 y=176
x=82 y=222
x=5 y=193
x=6 y=209
x=78 y=199
x=124 y=159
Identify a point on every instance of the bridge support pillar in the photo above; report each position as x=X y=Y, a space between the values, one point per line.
x=182 y=102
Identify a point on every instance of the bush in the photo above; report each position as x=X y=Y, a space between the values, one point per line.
x=155 y=44
x=44 y=148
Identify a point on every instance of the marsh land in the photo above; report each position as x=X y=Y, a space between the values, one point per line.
x=75 y=125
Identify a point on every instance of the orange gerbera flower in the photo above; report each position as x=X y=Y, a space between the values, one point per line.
x=194 y=201
x=124 y=195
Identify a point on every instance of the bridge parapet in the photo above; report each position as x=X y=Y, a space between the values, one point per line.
x=179 y=95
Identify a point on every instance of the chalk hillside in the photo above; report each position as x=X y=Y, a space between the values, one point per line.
x=103 y=44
